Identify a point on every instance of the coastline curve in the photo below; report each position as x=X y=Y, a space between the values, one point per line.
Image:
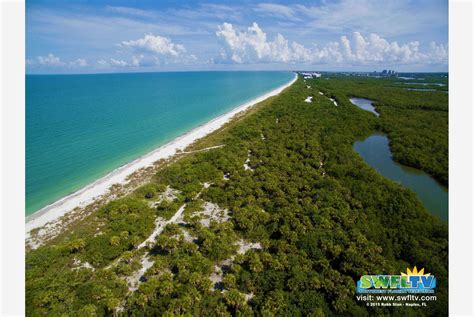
x=90 y=192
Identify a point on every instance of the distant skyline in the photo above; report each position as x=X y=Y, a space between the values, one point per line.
x=127 y=36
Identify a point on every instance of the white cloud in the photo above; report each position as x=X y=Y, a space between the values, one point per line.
x=129 y=11
x=389 y=17
x=275 y=10
x=102 y=63
x=375 y=49
x=252 y=46
x=439 y=53
x=154 y=50
x=206 y=12
x=115 y=62
x=49 y=60
x=136 y=60
x=155 y=44
x=112 y=62
x=80 y=62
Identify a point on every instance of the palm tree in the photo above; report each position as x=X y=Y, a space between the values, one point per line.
x=115 y=241
x=76 y=245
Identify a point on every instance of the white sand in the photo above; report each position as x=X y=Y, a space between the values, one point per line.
x=212 y=212
x=87 y=194
x=247 y=161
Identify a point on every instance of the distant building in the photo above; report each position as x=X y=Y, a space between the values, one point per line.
x=385 y=73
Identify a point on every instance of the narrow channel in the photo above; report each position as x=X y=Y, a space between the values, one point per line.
x=376 y=152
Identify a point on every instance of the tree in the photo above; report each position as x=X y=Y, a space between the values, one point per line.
x=115 y=241
x=76 y=245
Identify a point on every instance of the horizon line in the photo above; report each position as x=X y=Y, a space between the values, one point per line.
x=257 y=70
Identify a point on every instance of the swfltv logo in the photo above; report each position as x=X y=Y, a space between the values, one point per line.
x=413 y=281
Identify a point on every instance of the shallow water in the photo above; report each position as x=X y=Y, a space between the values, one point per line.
x=422 y=84
x=81 y=127
x=375 y=151
x=365 y=104
x=421 y=89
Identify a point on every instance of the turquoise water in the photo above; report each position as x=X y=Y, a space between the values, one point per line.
x=81 y=127
x=375 y=151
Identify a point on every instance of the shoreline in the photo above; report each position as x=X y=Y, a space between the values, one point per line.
x=90 y=192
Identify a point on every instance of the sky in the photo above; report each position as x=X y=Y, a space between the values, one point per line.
x=80 y=36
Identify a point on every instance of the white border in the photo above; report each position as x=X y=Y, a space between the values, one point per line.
x=12 y=142
x=12 y=165
x=460 y=158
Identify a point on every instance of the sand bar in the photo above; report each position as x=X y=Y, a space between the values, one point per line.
x=87 y=194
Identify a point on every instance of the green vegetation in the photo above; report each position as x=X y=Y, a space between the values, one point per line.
x=416 y=122
x=305 y=221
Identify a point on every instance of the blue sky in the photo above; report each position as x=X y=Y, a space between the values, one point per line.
x=128 y=36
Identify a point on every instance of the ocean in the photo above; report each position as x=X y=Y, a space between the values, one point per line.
x=81 y=127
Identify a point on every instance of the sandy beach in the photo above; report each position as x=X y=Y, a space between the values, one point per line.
x=87 y=194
